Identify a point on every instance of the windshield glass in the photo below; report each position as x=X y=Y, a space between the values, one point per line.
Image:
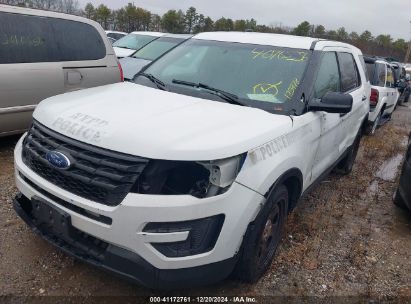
x=157 y=48
x=256 y=74
x=134 y=41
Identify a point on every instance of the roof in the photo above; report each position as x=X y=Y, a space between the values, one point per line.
x=154 y=34
x=259 y=38
x=281 y=40
x=116 y=32
x=43 y=13
x=181 y=36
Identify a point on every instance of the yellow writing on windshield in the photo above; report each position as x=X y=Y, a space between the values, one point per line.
x=267 y=88
x=17 y=40
x=280 y=54
x=292 y=88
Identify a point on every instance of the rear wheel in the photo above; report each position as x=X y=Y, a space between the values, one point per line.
x=371 y=128
x=262 y=237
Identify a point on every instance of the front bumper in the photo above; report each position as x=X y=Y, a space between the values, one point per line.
x=122 y=226
x=123 y=262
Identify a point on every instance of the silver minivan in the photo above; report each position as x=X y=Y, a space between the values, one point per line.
x=43 y=54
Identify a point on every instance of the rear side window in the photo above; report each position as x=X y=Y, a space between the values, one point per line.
x=390 y=78
x=328 y=78
x=371 y=72
x=349 y=72
x=27 y=39
x=381 y=74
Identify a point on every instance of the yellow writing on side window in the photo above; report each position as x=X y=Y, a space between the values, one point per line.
x=267 y=88
x=292 y=88
x=298 y=56
x=18 y=40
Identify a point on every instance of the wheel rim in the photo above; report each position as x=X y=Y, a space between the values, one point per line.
x=271 y=234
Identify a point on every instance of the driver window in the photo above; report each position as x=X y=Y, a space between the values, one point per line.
x=328 y=78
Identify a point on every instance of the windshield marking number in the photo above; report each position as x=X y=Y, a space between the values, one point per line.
x=280 y=54
x=292 y=88
x=265 y=88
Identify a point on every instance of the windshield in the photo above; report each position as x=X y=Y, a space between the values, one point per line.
x=157 y=48
x=134 y=41
x=256 y=74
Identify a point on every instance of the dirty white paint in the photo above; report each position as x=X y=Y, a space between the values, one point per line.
x=389 y=168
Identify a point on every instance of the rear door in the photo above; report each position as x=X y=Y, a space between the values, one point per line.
x=29 y=71
x=87 y=58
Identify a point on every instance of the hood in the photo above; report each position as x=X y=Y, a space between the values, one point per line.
x=131 y=66
x=148 y=122
x=121 y=52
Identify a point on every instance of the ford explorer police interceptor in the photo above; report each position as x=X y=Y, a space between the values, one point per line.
x=187 y=174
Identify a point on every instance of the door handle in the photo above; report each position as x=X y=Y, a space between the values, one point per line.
x=364 y=98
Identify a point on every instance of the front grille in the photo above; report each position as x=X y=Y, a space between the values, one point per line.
x=96 y=174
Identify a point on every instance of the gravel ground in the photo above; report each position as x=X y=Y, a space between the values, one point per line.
x=345 y=239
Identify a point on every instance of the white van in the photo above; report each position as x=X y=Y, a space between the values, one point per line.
x=43 y=54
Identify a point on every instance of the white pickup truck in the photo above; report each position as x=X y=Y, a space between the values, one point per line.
x=384 y=94
x=189 y=173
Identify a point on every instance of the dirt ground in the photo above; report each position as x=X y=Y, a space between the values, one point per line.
x=344 y=239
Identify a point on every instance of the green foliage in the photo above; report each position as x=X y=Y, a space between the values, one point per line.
x=303 y=29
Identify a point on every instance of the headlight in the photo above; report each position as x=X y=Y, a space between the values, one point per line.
x=199 y=179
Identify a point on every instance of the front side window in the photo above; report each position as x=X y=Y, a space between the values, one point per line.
x=328 y=78
x=27 y=39
x=258 y=75
x=134 y=41
x=157 y=48
x=349 y=72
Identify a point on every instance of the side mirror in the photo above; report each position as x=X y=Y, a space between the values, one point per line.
x=333 y=102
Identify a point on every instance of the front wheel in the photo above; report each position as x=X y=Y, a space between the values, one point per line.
x=263 y=236
x=346 y=165
x=398 y=201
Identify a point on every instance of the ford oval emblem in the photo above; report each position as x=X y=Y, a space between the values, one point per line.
x=58 y=160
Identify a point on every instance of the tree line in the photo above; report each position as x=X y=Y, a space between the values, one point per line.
x=132 y=18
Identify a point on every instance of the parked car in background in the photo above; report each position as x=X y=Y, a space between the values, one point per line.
x=190 y=172
x=400 y=81
x=43 y=54
x=384 y=94
x=134 y=41
x=402 y=197
x=115 y=35
x=155 y=49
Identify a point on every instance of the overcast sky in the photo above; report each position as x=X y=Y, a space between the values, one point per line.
x=378 y=16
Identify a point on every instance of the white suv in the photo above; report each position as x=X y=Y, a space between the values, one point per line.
x=189 y=173
x=384 y=94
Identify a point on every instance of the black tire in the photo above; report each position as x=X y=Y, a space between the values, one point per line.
x=262 y=237
x=398 y=201
x=346 y=165
x=372 y=127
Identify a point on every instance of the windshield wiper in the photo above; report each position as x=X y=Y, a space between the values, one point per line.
x=229 y=97
x=124 y=47
x=161 y=85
